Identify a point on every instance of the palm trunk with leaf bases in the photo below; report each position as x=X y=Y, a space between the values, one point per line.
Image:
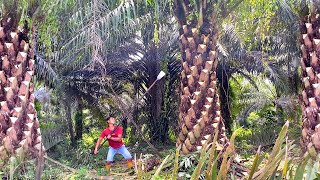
x=310 y=39
x=19 y=125
x=199 y=111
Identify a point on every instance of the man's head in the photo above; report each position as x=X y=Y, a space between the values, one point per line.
x=111 y=120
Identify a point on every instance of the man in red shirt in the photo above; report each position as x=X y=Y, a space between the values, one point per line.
x=115 y=143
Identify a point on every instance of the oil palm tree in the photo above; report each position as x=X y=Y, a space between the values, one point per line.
x=153 y=57
x=19 y=126
x=310 y=46
x=200 y=105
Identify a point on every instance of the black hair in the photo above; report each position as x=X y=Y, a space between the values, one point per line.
x=108 y=117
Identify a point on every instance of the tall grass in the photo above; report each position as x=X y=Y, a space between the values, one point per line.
x=278 y=165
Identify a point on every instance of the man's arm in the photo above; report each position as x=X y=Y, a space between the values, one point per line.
x=119 y=135
x=97 y=145
x=119 y=138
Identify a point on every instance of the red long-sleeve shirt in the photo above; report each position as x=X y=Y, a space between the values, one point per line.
x=116 y=133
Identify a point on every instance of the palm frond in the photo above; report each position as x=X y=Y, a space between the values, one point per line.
x=285 y=12
x=277 y=62
x=277 y=76
x=289 y=104
x=104 y=31
x=52 y=136
x=234 y=54
x=46 y=72
x=230 y=38
x=253 y=100
x=249 y=77
x=12 y=9
x=135 y=60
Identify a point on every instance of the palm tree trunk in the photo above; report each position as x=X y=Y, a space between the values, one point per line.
x=19 y=125
x=69 y=123
x=224 y=91
x=156 y=124
x=310 y=47
x=79 y=121
x=200 y=105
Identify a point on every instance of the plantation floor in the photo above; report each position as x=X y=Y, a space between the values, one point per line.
x=88 y=166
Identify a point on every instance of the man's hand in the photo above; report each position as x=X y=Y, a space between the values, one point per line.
x=95 y=151
x=109 y=136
